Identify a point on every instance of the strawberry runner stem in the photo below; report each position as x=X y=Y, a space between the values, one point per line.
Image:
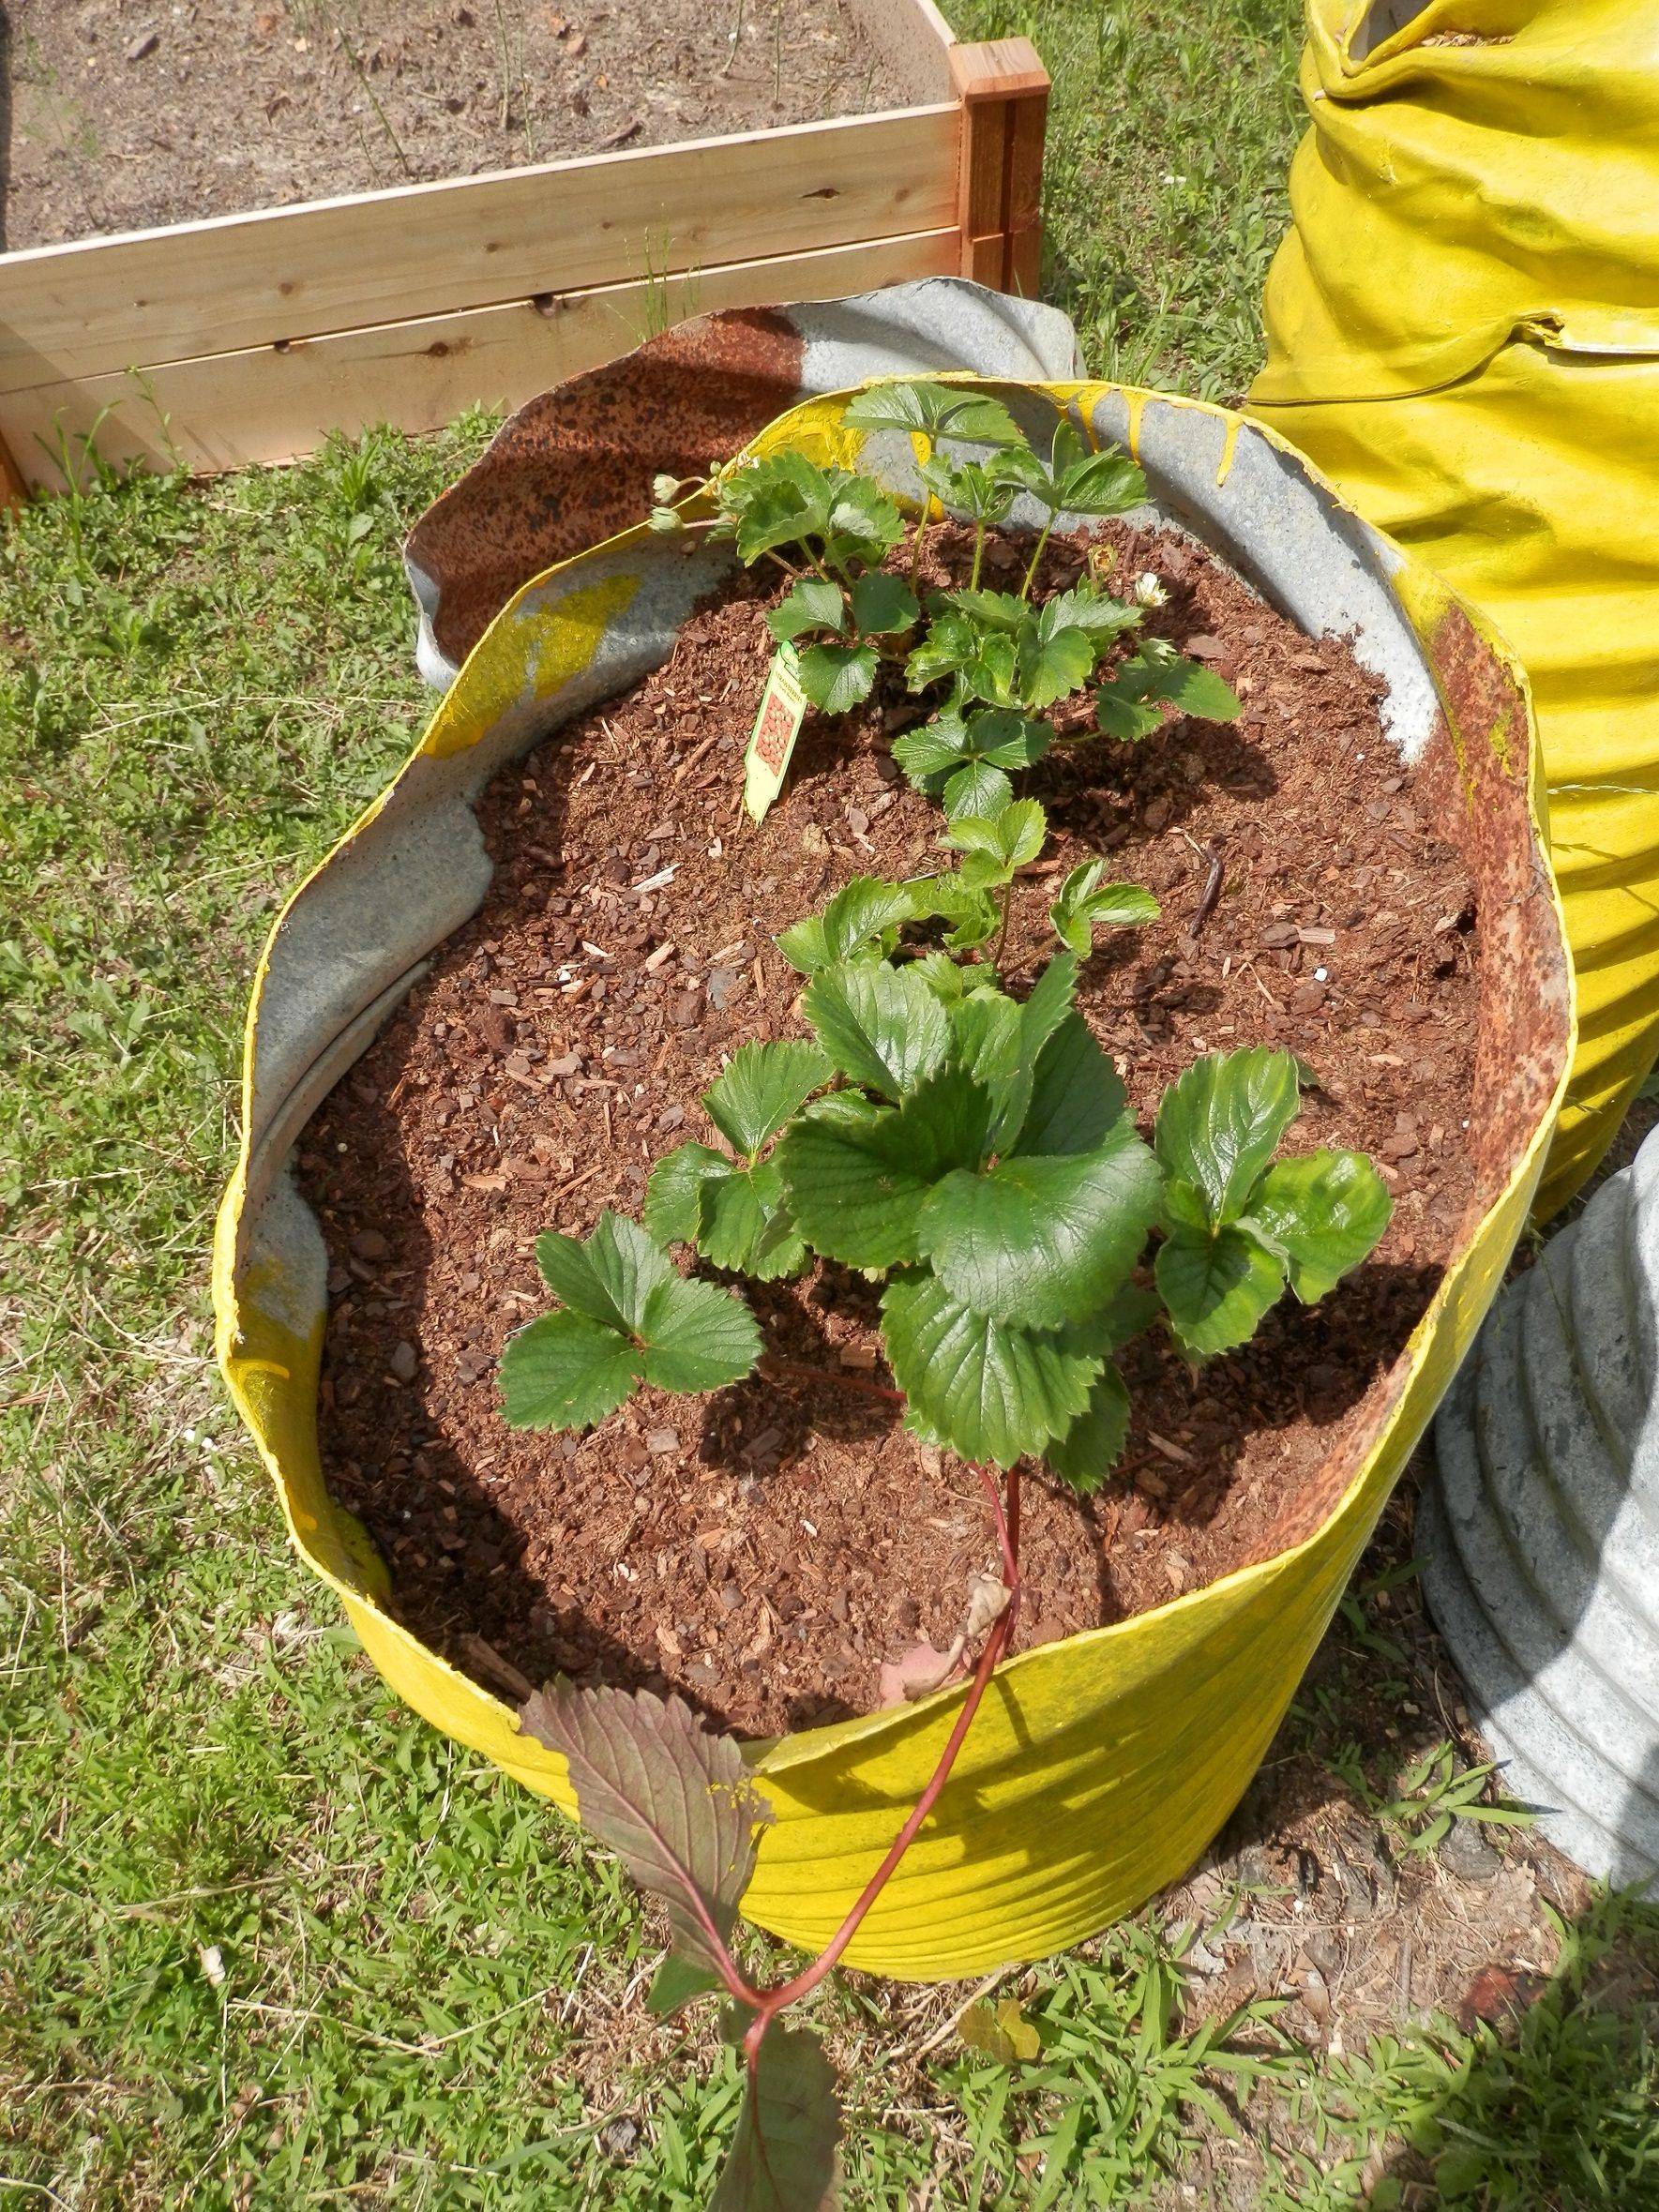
x=767 y=2003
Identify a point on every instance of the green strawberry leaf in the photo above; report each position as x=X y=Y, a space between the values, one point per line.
x=1076 y=1093
x=1038 y=1243
x=1095 y=612
x=836 y=677
x=1119 y=713
x=779 y=501
x=1045 y=1007
x=948 y=646
x=991 y=1391
x=861 y=515
x=930 y=754
x=1085 y=904
x=698 y=1337
x=1185 y=1208
x=812 y=604
x=1007 y=740
x=856 y=922
x=1220 y=1123
x=610 y=1277
x=1001 y=739
x=1325 y=1212
x=855 y=1174
x=971 y=912
x=566 y=1370
x=883 y=604
x=1101 y=484
x=991 y=611
x=881 y=1026
x=749 y=1101
x=1075 y=480
x=674 y=1195
x=998 y=846
x=977 y=789
x=686 y=1336
x=1216 y=1289
x=931 y=410
x=968 y=487
x=743 y=1224
x=1086 y=1452
x=1127 y=705
x=1053 y=667
x=951 y=981
x=1002 y=1043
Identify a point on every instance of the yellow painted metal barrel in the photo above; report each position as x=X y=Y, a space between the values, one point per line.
x=1100 y=1766
x=1464 y=335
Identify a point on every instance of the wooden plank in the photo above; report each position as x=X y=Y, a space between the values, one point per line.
x=242 y=281
x=1004 y=88
x=270 y=403
x=1028 y=131
x=12 y=483
x=917 y=37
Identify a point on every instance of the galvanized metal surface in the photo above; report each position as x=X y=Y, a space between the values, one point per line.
x=575 y=466
x=1540 y=1538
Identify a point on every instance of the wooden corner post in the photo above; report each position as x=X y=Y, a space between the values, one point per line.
x=12 y=479
x=1003 y=90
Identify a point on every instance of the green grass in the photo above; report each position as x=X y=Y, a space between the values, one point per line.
x=1170 y=137
x=272 y=1942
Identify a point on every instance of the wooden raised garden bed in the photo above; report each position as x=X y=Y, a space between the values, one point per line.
x=249 y=338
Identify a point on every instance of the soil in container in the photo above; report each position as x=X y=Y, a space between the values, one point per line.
x=765 y=1548
x=127 y=113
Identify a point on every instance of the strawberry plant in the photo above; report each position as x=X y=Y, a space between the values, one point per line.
x=970 y=1149
x=1000 y=653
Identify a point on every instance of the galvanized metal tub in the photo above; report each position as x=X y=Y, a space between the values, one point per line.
x=1101 y=1765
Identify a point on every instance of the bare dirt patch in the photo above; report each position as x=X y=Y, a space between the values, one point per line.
x=127 y=113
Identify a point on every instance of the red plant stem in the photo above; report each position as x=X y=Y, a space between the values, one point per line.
x=767 y=2003
x=1008 y=1533
x=800 y=1371
x=773 y=2001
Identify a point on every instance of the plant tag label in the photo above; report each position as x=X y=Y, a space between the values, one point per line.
x=783 y=705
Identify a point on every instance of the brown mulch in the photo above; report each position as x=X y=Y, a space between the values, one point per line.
x=764 y=1549
x=126 y=114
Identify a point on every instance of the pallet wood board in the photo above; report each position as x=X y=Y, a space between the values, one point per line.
x=249 y=337
x=334 y=264
x=225 y=410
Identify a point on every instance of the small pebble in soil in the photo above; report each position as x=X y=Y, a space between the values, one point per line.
x=1466 y=1853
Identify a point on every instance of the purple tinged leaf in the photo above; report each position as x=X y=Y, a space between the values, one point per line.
x=677 y=1981
x=674 y=1800
x=784 y=2157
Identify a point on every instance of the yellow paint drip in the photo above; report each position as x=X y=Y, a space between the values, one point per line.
x=1229 y=447
x=1132 y=428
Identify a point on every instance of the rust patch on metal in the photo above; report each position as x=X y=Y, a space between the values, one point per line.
x=575 y=465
